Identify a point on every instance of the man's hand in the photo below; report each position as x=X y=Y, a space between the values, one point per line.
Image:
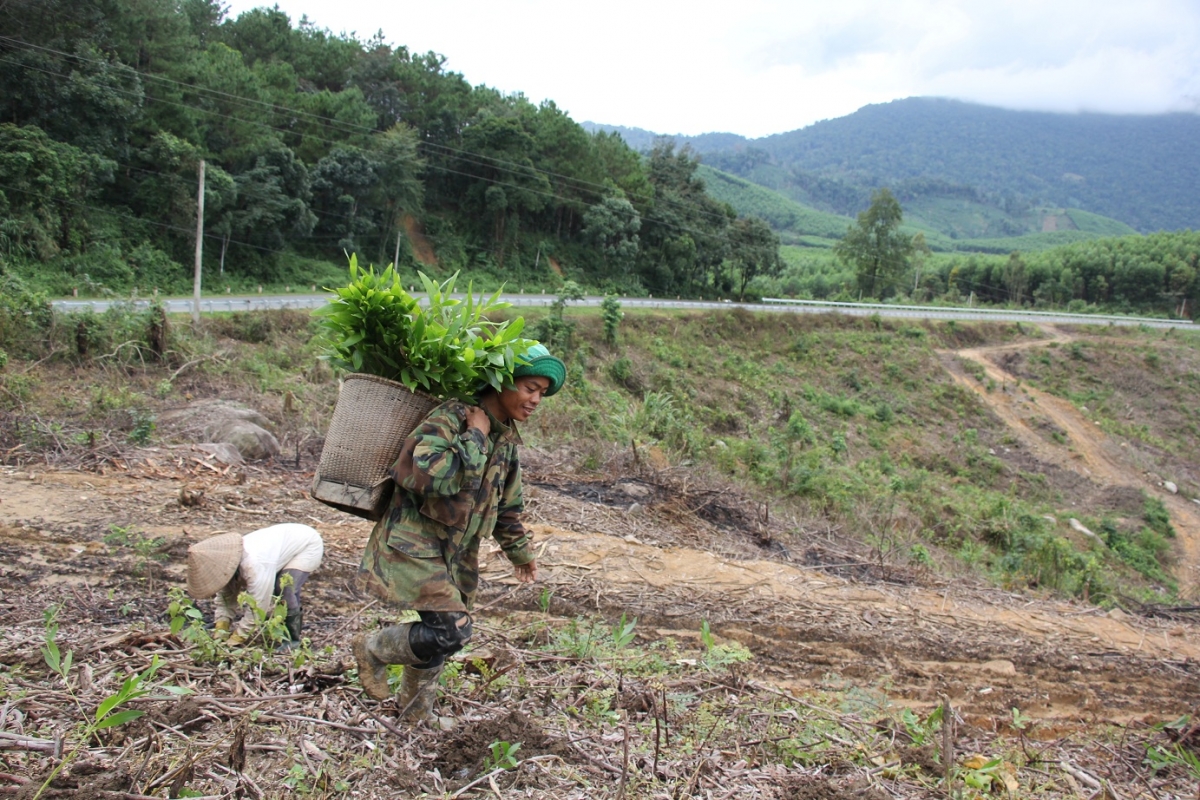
x=478 y=418
x=526 y=573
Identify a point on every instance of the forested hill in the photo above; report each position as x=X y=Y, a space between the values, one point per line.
x=1141 y=170
x=316 y=145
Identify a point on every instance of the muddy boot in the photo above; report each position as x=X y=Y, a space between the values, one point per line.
x=373 y=654
x=294 y=622
x=418 y=693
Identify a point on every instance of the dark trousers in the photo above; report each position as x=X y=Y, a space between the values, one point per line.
x=291 y=594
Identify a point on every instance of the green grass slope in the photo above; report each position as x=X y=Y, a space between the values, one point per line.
x=860 y=422
x=948 y=224
x=784 y=215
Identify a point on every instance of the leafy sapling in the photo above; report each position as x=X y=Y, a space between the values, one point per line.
x=501 y=755
x=718 y=656
x=610 y=311
x=622 y=634
x=111 y=712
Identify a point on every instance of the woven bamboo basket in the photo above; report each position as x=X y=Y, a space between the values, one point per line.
x=372 y=417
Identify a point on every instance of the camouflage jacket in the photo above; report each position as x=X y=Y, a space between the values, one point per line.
x=453 y=487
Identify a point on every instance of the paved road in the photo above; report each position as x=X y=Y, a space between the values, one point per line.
x=309 y=301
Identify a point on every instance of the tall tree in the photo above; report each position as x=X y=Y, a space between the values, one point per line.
x=399 y=190
x=342 y=183
x=684 y=231
x=755 y=251
x=612 y=226
x=41 y=185
x=874 y=246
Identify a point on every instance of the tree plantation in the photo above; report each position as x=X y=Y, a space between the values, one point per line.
x=317 y=145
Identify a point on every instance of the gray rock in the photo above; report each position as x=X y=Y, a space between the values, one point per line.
x=252 y=441
x=216 y=422
x=1170 y=487
x=1077 y=525
x=222 y=451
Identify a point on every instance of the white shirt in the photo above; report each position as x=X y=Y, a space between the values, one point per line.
x=265 y=553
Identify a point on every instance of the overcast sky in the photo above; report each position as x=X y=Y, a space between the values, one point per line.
x=758 y=67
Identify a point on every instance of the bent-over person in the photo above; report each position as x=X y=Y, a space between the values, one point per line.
x=229 y=564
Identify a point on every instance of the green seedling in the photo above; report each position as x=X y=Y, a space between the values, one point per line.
x=501 y=755
x=622 y=634
x=110 y=713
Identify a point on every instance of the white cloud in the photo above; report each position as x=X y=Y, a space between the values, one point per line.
x=766 y=66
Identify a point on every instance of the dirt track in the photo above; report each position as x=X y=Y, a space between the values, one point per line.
x=1088 y=452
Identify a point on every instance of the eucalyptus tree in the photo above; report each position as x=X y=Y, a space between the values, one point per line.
x=875 y=247
x=399 y=190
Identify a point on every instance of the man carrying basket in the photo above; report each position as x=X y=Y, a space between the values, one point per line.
x=457 y=480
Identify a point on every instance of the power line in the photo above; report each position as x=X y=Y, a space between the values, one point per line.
x=719 y=237
x=512 y=167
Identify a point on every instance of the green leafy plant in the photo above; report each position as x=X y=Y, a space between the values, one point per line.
x=610 y=312
x=187 y=622
x=555 y=329
x=706 y=635
x=922 y=731
x=271 y=626
x=446 y=347
x=110 y=712
x=501 y=755
x=718 y=656
x=1019 y=721
x=622 y=634
x=1175 y=754
x=982 y=774
x=147 y=549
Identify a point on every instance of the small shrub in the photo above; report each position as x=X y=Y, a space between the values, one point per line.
x=610 y=311
x=143 y=427
x=621 y=371
x=26 y=319
x=1157 y=517
x=842 y=406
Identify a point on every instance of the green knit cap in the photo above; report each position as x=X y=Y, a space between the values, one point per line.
x=538 y=362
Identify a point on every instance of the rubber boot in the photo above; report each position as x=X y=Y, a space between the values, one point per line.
x=418 y=693
x=294 y=622
x=373 y=654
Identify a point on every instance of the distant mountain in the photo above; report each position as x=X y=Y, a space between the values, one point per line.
x=642 y=139
x=975 y=171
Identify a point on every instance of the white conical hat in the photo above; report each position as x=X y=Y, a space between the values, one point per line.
x=211 y=563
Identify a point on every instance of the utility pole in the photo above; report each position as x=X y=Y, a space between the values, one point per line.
x=399 y=229
x=199 y=246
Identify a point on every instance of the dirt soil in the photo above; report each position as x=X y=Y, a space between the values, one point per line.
x=1090 y=452
x=626 y=546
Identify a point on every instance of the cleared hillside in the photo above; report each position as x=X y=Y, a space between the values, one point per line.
x=775 y=553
